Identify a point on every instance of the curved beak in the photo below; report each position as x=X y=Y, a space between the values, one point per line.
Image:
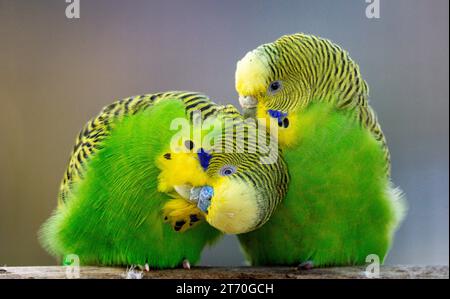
x=183 y=190
x=199 y=195
x=248 y=102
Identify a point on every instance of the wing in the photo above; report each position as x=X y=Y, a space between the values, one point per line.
x=90 y=139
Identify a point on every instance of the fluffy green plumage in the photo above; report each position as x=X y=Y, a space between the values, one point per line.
x=340 y=206
x=114 y=214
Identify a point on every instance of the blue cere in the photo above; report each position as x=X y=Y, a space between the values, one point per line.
x=204 y=158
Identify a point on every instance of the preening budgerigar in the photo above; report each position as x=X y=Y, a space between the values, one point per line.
x=130 y=197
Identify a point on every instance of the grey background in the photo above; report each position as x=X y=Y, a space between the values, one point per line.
x=56 y=73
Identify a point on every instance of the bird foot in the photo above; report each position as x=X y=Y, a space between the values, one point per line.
x=145 y=267
x=132 y=273
x=308 y=265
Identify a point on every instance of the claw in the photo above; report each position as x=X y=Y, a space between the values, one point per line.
x=186 y=264
x=308 y=265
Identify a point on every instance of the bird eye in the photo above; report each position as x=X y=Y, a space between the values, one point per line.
x=189 y=144
x=274 y=86
x=227 y=170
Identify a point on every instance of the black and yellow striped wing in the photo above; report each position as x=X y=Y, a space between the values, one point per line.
x=91 y=137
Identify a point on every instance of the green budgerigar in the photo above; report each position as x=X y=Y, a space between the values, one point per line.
x=109 y=205
x=341 y=205
x=126 y=197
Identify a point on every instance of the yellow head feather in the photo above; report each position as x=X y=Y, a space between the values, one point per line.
x=251 y=74
x=233 y=207
x=287 y=137
x=182 y=168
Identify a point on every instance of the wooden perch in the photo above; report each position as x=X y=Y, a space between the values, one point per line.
x=228 y=273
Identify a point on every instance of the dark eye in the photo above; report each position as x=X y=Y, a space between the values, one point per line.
x=274 y=86
x=189 y=144
x=227 y=170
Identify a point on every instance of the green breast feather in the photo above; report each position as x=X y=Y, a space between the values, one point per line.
x=340 y=205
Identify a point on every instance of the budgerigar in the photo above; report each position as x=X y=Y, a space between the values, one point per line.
x=121 y=201
x=247 y=175
x=341 y=206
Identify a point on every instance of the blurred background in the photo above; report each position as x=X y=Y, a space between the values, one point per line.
x=56 y=73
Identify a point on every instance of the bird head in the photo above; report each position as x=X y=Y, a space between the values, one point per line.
x=242 y=193
x=272 y=76
x=237 y=190
x=280 y=79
